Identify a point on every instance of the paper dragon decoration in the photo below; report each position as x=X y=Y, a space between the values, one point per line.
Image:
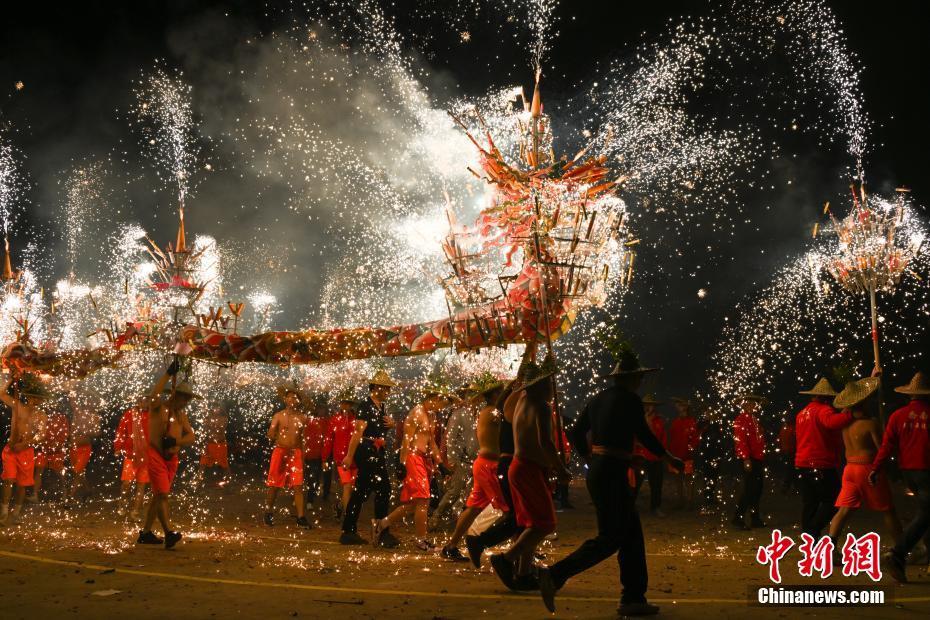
x=560 y=217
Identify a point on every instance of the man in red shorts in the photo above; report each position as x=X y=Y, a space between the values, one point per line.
x=50 y=453
x=486 y=488
x=167 y=431
x=287 y=466
x=339 y=428
x=216 y=450
x=862 y=439
x=85 y=425
x=22 y=396
x=130 y=443
x=534 y=455
x=420 y=455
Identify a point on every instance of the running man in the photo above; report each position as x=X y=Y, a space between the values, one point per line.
x=420 y=456
x=23 y=396
x=216 y=451
x=862 y=439
x=287 y=463
x=486 y=488
x=130 y=443
x=168 y=430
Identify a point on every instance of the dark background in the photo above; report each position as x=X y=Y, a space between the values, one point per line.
x=78 y=59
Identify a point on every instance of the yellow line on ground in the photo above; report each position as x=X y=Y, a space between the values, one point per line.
x=376 y=591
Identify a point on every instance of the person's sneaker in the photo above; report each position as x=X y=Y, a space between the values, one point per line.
x=894 y=566
x=268 y=519
x=302 y=522
x=387 y=540
x=148 y=537
x=739 y=523
x=475 y=550
x=547 y=589
x=171 y=539
x=637 y=609
x=351 y=538
x=453 y=554
x=427 y=546
x=503 y=568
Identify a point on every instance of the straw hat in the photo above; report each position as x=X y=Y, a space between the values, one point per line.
x=347 y=396
x=485 y=383
x=535 y=373
x=383 y=379
x=678 y=400
x=917 y=387
x=289 y=388
x=628 y=364
x=821 y=388
x=753 y=398
x=650 y=399
x=855 y=392
x=185 y=388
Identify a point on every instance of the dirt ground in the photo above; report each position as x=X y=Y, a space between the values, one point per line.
x=83 y=564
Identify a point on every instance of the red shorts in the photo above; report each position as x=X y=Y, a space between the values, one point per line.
x=347 y=476
x=286 y=468
x=161 y=472
x=858 y=493
x=486 y=488
x=80 y=457
x=51 y=460
x=134 y=472
x=216 y=455
x=532 y=497
x=416 y=482
x=19 y=466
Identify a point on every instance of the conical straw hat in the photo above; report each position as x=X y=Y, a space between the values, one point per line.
x=855 y=392
x=650 y=399
x=382 y=378
x=917 y=387
x=755 y=398
x=821 y=388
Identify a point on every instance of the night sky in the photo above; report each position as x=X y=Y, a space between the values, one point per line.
x=77 y=61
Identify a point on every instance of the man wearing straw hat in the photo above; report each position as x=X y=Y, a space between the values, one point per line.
x=907 y=433
x=168 y=430
x=862 y=439
x=22 y=396
x=420 y=455
x=286 y=468
x=818 y=442
x=749 y=446
x=652 y=467
x=614 y=418
x=367 y=451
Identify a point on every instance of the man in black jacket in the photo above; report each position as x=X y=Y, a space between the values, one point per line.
x=614 y=418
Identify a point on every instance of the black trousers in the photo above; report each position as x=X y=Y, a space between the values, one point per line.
x=506 y=526
x=918 y=480
x=372 y=478
x=655 y=472
x=618 y=531
x=819 y=490
x=313 y=472
x=327 y=479
x=752 y=490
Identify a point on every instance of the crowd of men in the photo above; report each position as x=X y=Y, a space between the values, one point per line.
x=496 y=445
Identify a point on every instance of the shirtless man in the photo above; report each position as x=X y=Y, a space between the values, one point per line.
x=50 y=453
x=22 y=396
x=535 y=454
x=216 y=452
x=287 y=463
x=168 y=430
x=85 y=425
x=130 y=443
x=420 y=455
x=862 y=439
x=486 y=487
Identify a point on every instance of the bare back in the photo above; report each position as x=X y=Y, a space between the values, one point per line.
x=861 y=439
x=527 y=419
x=489 y=427
x=418 y=431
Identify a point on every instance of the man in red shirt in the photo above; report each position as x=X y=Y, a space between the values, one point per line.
x=907 y=433
x=50 y=454
x=129 y=442
x=749 y=445
x=339 y=429
x=314 y=431
x=683 y=440
x=817 y=458
x=651 y=466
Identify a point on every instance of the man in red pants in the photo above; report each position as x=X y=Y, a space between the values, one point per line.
x=130 y=444
x=339 y=428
